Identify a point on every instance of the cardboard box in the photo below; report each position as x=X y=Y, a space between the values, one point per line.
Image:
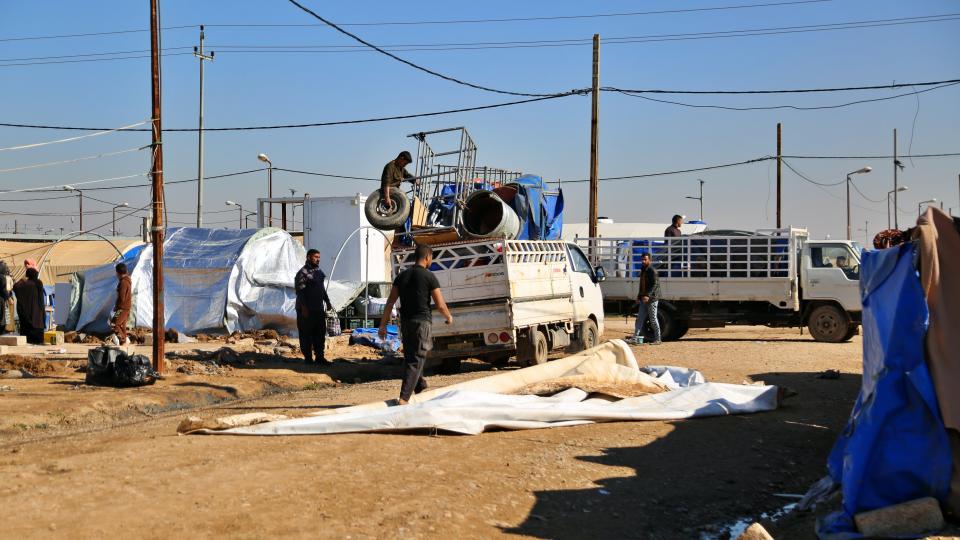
x=418 y=213
x=13 y=341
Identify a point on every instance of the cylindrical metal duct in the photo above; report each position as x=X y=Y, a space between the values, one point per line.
x=487 y=216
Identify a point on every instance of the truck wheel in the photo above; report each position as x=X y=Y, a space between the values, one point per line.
x=381 y=216
x=829 y=323
x=667 y=327
x=589 y=337
x=449 y=366
x=497 y=359
x=854 y=330
x=681 y=330
x=541 y=349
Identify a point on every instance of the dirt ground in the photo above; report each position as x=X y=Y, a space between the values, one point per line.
x=77 y=461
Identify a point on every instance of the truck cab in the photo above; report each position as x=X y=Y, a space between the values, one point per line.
x=830 y=288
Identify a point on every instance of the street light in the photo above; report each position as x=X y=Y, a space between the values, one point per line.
x=889 y=193
x=114 y=227
x=920 y=205
x=293 y=210
x=265 y=159
x=80 y=193
x=864 y=170
x=700 y=198
x=238 y=205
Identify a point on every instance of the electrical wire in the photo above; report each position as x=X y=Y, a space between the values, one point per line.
x=783 y=91
x=807 y=178
x=409 y=63
x=69 y=139
x=855 y=188
x=91 y=60
x=794 y=107
x=330 y=123
x=75 y=160
x=60 y=187
x=915 y=156
x=326 y=174
x=666 y=173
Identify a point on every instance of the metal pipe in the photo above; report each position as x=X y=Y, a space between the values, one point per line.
x=198 y=52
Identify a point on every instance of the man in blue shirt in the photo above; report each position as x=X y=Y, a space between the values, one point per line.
x=312 y=303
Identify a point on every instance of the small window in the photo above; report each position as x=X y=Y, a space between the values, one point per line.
x=579 y=261
x=835 y=257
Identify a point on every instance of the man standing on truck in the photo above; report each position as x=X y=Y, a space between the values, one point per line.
x=647 y=299
x=415 y=286
x=673 y=229
x=312 y=303
x=394 y=174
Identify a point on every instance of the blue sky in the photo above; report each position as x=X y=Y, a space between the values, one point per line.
x=549 y=138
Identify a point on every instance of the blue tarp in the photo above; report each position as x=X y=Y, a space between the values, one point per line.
x=894 y=447
x=370 y=338
x=540 y=211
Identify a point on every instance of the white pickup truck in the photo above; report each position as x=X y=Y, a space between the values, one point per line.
x=774 y=277
x=512 y=297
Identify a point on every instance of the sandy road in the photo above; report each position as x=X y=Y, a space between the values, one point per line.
x=636 y=480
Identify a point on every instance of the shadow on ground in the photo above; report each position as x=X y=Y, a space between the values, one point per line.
x=706 y=472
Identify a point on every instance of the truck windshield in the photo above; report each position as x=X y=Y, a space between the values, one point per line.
x=836 y=256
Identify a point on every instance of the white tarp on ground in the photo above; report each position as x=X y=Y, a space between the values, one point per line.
x=586 y=387
x=214 y=280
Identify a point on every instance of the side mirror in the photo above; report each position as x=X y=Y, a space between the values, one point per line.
x=600 y=274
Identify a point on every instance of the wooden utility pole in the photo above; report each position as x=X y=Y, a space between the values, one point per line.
x=779 y=164
x=156 y=228
x=895 y=167
x=594 y=144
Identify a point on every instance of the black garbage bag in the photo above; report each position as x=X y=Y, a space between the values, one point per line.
x=110 y=366
x=133 y=370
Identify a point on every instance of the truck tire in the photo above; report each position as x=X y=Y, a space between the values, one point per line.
x=829 y=324
x=383 y=218
x=498 y=359
x=541 y=349
x=854 y=330
x=589 y=337
x=669 y=330
x=449 y=366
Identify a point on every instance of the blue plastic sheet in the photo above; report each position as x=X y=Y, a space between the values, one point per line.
x=371 y=338
x=894 y=447
x=540 y=211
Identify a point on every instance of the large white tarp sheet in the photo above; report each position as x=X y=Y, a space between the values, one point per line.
x=587 y=387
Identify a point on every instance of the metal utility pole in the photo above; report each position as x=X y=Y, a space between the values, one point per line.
x=265 y=159
x=156 y=226
x=779 y=164
x=594 y=144
x=700 y=198
x=864 y=170
x=114 y=226
x=198 y=52
x=896 y=165
x=80 y=193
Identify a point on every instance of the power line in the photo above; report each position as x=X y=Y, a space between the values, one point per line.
x=323 y=124
x=783 y=91
x=794 y=107
x=59 y=187
x=69 y=139
x=808 y=179
x=409 y=63
x=914 y=156
x=326 y=174
x=436 y=22
x=666 y=173
x=75 y=160
x=91 y=60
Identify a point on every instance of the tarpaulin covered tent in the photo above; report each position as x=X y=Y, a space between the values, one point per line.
x=58 y=261
x=214 y=280
x=540 y=209
x=896 y=446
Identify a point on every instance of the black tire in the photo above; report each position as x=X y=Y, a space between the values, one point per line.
x=854 y=330
x=381 y=217
x=498 y=359
x=681 y=330
x=449 y=366
x=829 y=324
x=589 y=337
x=668 y=327
x=541 y=349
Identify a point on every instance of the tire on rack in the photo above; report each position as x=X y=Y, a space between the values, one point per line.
x=830 y=324
x=383 y=218
x=589 y=337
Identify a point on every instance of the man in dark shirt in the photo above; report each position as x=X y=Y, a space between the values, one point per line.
x=648 y=297
x=121 y=310
x=393 y=176
x=674 y=228
x=312 y=303
x=30 y=306
x=415 y=286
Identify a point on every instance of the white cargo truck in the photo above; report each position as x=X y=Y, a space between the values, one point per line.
x=512 y=297
x=776 y=277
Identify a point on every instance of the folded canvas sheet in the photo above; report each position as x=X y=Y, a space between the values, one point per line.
x=504 y=401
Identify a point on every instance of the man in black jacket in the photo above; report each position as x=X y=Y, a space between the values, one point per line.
x=647 y=299
x=312 y=303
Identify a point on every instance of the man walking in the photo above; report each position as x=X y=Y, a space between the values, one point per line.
x=31 y=307
x=393 y=176
x=312 y=303
x=647 y=299
x=121 y=309
x=673 y=229
x=415 y=287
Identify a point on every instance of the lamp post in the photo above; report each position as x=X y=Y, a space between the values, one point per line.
x=238 y=205
x=293 y=211
x=864 y=170
x=80 y=193
x=700 y=198
x=921 y=203
x=265 y=159
x=114 y=227
x=889 y=193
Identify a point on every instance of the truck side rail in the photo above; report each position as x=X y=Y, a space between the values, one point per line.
x=710 y=257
